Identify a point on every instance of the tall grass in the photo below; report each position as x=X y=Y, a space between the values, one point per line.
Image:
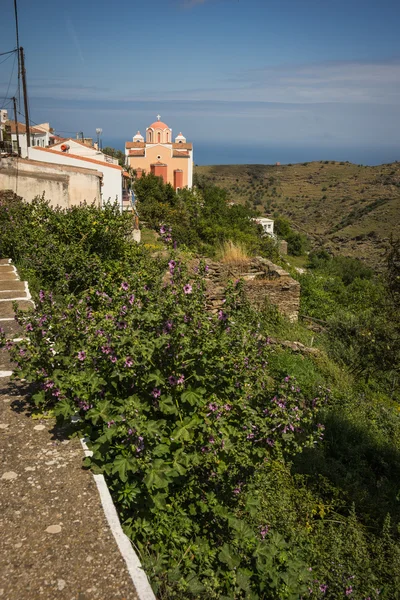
x=234 y=254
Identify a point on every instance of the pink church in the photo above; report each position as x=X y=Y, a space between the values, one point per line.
x=159 y=154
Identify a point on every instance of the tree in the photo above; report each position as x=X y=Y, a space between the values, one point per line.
x=115 y=154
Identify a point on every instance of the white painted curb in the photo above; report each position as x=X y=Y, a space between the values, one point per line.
x=130 y=557
x=5 y=373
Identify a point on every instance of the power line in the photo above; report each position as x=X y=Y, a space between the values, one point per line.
x=3 y=61
x=9 y=83
x=9 y=52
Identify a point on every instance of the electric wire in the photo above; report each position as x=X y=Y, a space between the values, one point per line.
x=9 y=52
x=7 y=57
x=9 y=83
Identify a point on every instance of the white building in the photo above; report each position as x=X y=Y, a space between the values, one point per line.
x=41 y=136
x=72 y=146
x=112 y=175
x=266 y=224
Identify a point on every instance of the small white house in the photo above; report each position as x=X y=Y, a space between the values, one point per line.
x=41 y=136
x=266 y=224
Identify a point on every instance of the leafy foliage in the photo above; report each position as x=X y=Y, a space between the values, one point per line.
x=240 y=470
x=202 y=219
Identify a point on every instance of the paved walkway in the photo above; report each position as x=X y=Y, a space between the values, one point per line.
x=55 y=542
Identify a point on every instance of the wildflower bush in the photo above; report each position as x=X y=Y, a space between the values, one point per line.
x=233 y=478
x=180 y=415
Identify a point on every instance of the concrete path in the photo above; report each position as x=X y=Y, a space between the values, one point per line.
x=55 y=542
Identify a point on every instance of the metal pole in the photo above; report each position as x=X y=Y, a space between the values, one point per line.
x=23 y=74
x=16 y=125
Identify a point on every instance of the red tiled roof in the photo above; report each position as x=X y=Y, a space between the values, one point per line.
x=85 y=158
x=184 y=154
x=183 y=146
x=129 y=145
x=136 y=153
x=22 y=128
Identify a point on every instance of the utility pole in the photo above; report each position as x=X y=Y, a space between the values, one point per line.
x=16 y=125
x=23 y=75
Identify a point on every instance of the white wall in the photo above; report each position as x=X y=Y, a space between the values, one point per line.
x=63 y=186
x=43 y=141
x=112 y=175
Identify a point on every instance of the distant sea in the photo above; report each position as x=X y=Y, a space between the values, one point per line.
x=239 y=153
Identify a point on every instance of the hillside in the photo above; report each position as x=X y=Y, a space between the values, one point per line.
x=350 y=209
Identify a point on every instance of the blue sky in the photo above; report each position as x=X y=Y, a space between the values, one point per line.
x=295 y=73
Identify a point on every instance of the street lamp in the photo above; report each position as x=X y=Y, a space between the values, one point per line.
x=99 y=131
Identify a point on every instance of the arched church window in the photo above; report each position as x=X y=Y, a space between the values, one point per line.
x=150 y=138
x=159 y=137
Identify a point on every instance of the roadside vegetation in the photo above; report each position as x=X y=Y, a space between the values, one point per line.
x=240 y=469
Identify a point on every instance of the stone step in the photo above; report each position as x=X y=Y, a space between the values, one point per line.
x=11 y=328
x=14 y=286
x=4 y=261
x=12 y=295
x=6 y=308
x=8 y=276
x=5 y=362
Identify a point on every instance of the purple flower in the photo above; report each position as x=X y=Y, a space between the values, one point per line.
x=172 y=265
x=156 y=393
x=222 y=316
x=264 y=531
x=213 y=406
x=128 y=362
x=29 y=327
x=113 y=359
x=181 y=380
x=124 y=286
x=42 y=295
x=323 y=588
x=211 y=440
x=187 y=288
x=131 y=299
x=172 y=380
x=82 y=355
x=162 y=230
x=349 y=590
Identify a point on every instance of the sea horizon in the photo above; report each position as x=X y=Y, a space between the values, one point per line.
x=239 y=153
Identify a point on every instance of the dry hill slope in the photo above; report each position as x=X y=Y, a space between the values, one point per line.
x=351 y=209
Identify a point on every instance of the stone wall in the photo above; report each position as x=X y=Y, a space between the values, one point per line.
x=62 y=185
x=264 y=282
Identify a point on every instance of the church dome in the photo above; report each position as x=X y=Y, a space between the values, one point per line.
x=158 y=125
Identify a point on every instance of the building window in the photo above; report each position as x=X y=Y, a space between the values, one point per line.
x=159 y=137
x=150 y=137
x=167 y=137
x=38 y=143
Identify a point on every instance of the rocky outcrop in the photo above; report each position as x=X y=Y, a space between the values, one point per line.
x=264 y=282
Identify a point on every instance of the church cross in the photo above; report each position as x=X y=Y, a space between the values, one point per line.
x=158 y=117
